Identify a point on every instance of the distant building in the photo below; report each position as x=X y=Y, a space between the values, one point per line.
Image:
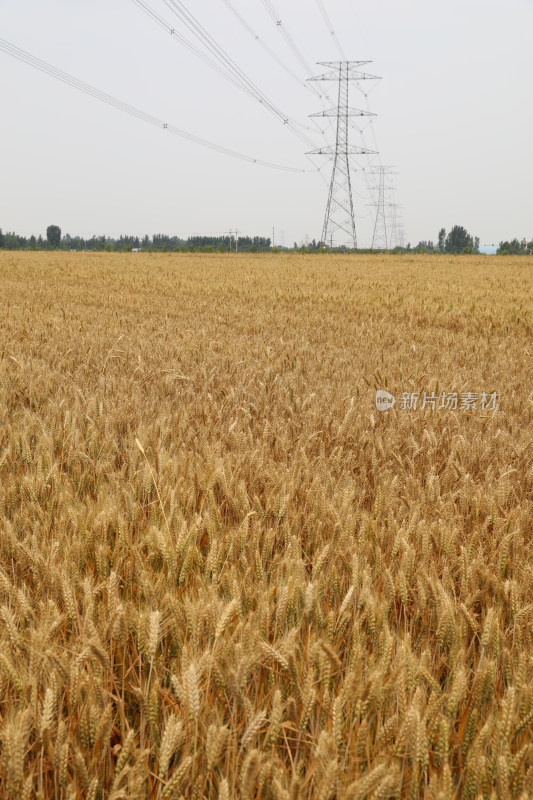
x=488 y=249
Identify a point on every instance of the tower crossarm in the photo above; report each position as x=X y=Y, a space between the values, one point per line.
x=349 y=74
x=346 y=64
x=351 y=150
x=350 y=112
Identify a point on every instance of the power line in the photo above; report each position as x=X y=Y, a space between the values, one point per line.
x=216 y=65
x=246 y=25
x=221 y=70
x=76 y=83
x=258 y=39
x=180 y=39
x=289 y=40
x=273 y=55
x=180 y=10
x=199 y=32
x=329 y=26
x=271 y=11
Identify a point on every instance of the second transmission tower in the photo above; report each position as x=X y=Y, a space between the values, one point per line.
x=383 y=226
x=339 y=221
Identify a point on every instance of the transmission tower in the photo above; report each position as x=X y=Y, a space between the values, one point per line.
x=396 y=235
x=339 y=221
x=385 y=209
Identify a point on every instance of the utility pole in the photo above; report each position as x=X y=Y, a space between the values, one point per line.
x=339 y=221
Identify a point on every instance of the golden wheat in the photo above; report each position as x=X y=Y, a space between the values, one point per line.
x=223 y=572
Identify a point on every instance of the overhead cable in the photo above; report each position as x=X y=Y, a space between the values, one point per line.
x=76 y=83
x=329 y=26
x=276 y=19
x=227 y=63
x=246 y=25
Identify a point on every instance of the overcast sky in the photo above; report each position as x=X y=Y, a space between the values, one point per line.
x=454 y=106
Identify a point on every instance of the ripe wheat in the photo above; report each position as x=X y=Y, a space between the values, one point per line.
x=223 y=572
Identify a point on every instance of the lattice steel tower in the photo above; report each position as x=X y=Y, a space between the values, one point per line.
x=383 y=226
x=339 y=221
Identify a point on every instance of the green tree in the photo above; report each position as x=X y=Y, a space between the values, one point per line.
x=512 y=248
x=442 y=240
x=458 y=240
x=53 y=235
x=425 y=247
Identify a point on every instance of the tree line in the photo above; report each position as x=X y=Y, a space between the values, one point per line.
x=457 y=240
x=159 y=242
x=516 y=248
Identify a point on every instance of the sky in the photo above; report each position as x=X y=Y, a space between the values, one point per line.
x=453 y=117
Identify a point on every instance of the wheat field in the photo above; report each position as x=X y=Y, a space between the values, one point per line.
x=223 y=572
